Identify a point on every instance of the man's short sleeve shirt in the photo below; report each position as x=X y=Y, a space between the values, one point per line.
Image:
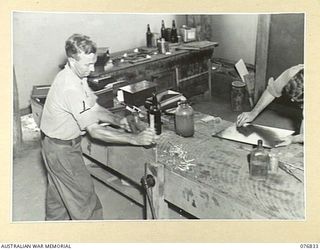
x=67 y=110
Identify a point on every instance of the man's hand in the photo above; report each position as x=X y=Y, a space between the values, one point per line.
x=145 y=138
x=290 y=139
x=245 y=117
x=285 y=141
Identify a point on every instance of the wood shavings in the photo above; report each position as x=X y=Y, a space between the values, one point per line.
x=179 y=158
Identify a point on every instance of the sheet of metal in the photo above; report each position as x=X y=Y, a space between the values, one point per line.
x=251 y=133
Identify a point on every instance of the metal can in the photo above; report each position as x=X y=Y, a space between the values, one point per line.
x=161 y=46
x=273 y=162
x=237 y=95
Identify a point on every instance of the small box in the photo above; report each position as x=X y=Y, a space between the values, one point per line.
x=188 y=34
x=136 y=94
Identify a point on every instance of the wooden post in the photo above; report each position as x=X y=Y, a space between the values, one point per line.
x=177 y=87
x=157 y=192
x=210 y=77
x=262 y=47
x=17 y=132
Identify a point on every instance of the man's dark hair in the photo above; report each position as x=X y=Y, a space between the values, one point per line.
x=78 y=43
x=294 y=87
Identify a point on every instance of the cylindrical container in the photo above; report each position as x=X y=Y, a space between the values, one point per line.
x=259 y=163
x=162 y=29
x=184 y=123
x=149 y=37
x=155 y=39
x=161 y=46
x=273 y=162
x=167 y=34
x=154 y=115
x=237 y=95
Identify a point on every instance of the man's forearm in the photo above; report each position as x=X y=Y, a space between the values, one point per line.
x=110 y=135
x=263 y=102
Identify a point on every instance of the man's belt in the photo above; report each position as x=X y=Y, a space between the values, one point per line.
x=62 y=142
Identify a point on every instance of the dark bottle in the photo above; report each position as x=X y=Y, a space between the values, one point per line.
x=184 y=122
x=163 y=28
x=149 y=37
x=174 y=33
x=259 y=162
x=154 y=115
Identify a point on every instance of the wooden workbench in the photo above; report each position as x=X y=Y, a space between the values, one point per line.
x=167 y=69
x=217 y=186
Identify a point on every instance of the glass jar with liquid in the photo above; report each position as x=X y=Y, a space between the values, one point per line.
x=184 y=122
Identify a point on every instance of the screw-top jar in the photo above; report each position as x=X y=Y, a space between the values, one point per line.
x=237 y=95
x=184 y=123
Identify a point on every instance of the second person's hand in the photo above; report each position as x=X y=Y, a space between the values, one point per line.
x=243 y=118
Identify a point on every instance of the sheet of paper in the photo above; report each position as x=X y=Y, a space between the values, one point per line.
x=251 y=133
x=242 y=69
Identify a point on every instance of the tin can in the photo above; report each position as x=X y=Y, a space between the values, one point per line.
x=237 y=95
x=273 y=162
x=155 y=38
x=161 y=46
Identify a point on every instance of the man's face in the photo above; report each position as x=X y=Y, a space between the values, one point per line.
x=84 y=65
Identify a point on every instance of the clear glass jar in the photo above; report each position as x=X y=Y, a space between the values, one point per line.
x=259 y=162
x=184 y=121
x=237 y=95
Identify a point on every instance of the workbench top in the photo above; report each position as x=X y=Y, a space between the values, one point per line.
x=216 y=182
x=175 y=50
x=222 y=165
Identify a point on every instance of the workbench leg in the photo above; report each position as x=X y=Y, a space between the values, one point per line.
x=210 y=77
x=157 y=192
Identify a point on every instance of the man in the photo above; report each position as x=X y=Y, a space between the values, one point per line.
x=70 y=111
x=291 y=80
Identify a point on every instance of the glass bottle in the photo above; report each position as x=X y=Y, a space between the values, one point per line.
x=149 y=37
x=259 y=162
x=154 y=115
x=163 y=28
x=174 y=33
x=184 y=123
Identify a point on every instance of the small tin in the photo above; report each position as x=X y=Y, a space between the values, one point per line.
x=273 y=163
x=162 y=46
x=237 y=95
x=155 y=38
